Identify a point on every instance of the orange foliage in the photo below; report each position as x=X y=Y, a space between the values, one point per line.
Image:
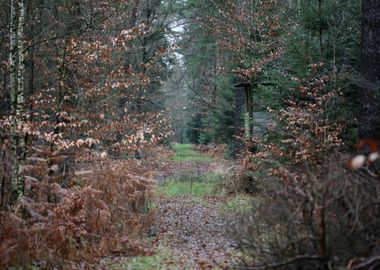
x=301 y=134
x=55 y=226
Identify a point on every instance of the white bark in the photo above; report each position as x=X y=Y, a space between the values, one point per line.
x=21 y=61
x=16 y=74
x=20 y=108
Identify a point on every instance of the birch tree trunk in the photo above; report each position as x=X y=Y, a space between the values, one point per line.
x=16 y=74
x=20 y=108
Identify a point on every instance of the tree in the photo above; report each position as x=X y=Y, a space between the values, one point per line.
x=78 y=75
x=370 y=70
x=249 y=33
x=201 y=68
x=16 y=74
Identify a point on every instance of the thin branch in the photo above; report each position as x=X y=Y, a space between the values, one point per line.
x=366 y=264
x=195 y=91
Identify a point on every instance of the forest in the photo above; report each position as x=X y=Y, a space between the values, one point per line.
x=190 y=134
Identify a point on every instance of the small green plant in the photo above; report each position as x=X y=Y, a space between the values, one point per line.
x=148 y=206
x=240 y=204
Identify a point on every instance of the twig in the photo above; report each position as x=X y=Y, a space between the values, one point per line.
x=366 y=263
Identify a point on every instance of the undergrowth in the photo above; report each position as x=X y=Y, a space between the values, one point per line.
x=52 y=226
x=239 y=203
x=314 y=212
x=327 y=222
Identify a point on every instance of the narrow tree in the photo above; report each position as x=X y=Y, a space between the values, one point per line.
x=16 y=74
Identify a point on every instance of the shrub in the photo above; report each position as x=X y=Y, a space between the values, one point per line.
x=54 y=226
x=329 y=220
x=312 y=212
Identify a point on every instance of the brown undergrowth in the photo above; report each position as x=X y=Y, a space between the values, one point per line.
x=328 y=221
x=311 y=210
x=62 y=220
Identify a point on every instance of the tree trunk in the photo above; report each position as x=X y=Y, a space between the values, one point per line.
x=5 y=172
x=248 y=119
x=320 y=30
x=370 y=70
x=16 y=73
x=238 y=108
x=13 y=90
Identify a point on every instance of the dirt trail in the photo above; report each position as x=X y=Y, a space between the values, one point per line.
x=197 y=231
x=196 y=228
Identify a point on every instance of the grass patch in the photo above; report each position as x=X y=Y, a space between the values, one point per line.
x=162 y=259
x=177 y=188
x=188 y=182
x=185 y=152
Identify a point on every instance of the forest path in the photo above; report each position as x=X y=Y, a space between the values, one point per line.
x=193 y=221
x=196 y=232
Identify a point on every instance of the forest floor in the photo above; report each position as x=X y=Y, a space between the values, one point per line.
x=194 y=219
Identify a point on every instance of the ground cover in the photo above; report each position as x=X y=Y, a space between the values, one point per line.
x=194 y=216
